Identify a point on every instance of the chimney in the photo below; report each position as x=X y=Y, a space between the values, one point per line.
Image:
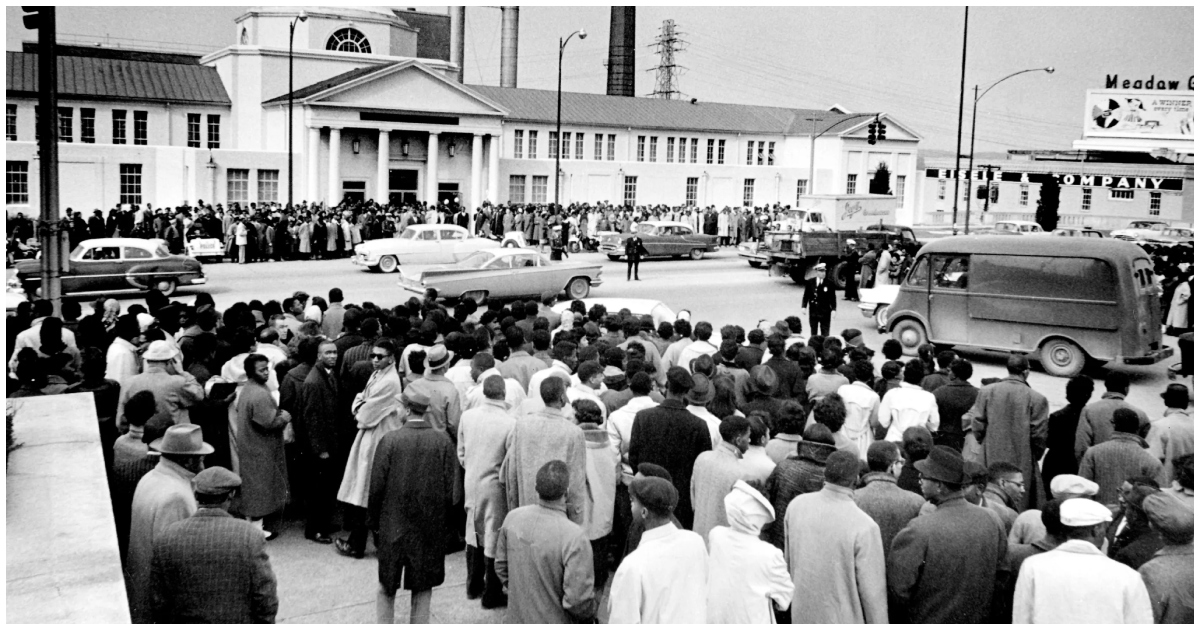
x=621 y=41
x=509 y=21
x=458 y=31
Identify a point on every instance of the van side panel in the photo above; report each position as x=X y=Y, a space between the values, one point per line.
x=1057 y=292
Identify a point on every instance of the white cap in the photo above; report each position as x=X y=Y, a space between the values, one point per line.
x=1083 y=513
x=1063 y=485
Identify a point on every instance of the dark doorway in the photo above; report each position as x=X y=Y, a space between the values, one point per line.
x=447 y=191
x=402 y=186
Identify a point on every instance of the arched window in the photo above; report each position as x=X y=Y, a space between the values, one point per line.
x=245 y=37
x=349 y=40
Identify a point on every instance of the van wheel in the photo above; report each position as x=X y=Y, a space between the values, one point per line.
x=1061 y=357
x=911 y=335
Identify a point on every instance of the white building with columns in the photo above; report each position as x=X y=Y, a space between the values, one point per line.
x=378 y=114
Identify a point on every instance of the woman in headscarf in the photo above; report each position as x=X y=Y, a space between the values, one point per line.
x=745 y=573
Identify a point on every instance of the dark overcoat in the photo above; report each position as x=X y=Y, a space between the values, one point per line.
x=262 y=462
x=318 y=412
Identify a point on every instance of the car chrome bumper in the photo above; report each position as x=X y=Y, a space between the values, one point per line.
x=1149 y=359
x=363 y=261
x=596 y=282
x=199 y=280
x=868 y=309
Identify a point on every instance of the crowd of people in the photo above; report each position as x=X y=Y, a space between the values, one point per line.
x=699 y=474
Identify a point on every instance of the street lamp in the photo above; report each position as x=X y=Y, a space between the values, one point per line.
x=562 y=44
x=302 y=17
x=971 y=159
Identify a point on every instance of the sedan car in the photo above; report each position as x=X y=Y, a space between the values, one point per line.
x=1078 y=232
x=504 y=272
x=656 y=309
x=118 y=264
x=662 y=239
x=426 y=244
x=874 y=303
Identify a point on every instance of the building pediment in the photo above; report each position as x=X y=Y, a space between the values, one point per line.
x=404 y=86
x=895 y=130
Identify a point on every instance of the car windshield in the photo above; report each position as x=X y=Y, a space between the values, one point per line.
x=162 y=252
x=408 y=234
x=474 y=261
x=645 y=228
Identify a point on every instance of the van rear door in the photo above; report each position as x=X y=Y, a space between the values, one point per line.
x=1148 y=337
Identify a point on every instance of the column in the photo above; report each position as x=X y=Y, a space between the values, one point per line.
x=334 y=194
x=493 y=190
x=476 y=172
x=431 y=167
x=313 y=155
x=381 y=170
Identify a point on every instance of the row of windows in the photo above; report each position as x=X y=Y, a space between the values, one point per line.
x=516 y=188
x=87 y=126
x=688 y=153
x=238 y=185
x=1122 y=194
x=766 y=151
x=604 y=148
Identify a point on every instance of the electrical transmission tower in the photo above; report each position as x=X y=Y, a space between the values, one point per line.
x=667 y=73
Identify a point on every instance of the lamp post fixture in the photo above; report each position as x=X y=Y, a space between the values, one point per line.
x=562 y=44
x=302 y=17
x=971 y=159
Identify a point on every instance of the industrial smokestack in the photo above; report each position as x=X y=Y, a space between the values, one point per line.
x=509 y=21
x=621 y=39
x=458 y=31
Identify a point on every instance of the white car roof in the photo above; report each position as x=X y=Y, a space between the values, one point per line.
x=121 y=242
x=661 y=223
x=499 y=251
x=439 y=226
x=635 y=305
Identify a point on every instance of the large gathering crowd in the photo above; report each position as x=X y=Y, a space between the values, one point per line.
x=700 y=473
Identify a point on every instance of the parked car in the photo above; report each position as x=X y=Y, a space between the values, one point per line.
x=118 y=264
x=662 y=239
x=656 y=309
x=1018 y=227
x=1078 y=232
x=209 y=249
x=874 y=303
x=505 y=272
x=426 y=244
x=1158 y=236
x=1140 y=230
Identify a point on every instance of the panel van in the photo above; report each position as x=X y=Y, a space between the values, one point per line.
x=1073 y=303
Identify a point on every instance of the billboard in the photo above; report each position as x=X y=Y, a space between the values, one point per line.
x=1139 y=114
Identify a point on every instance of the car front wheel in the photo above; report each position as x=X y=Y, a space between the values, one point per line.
x=166 y=287
x=578 y=288
x=388 y=264
x=881 y=316
x=696 y=254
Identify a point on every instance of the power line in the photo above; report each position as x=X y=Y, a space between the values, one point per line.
x=667 y=73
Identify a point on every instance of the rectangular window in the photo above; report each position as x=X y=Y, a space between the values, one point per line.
x=193 y=131
x=566 y=146
x=670 y=150
x=631 y=190
x=851 y=184
x=533 y=144
x=516 y=189
x=1086 y=203
x=748 y=192
x=653 y=148
x=1024 y=194
x=37 y=123
x=268 y=186
x=540 y=184
x=118 y=118
x=695 y=149
x=801 y=189
x=238 y=185
x=900 y=180
x=553 y=143
x=641 y=151
x=761 y=151
x=87 y=125
x=131 y=183
x=518 y=144
x=966 y=190
x=1118 y=193
x=770 y=154
x=578 y=146
x=10 y=123
x=995 y=193
x=720 y=152
x=1155 y=203
x=599 y=148
x=16 y=182
x=750 y=153
x=214 y=131
x=141 y=121
x=693 y=183
x=941 y=189
x=66 y=124
x=612 y=147
x=711 y=144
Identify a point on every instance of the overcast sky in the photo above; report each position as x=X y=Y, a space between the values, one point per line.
x=903 y=61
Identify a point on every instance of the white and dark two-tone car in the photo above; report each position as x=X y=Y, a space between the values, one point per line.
x=117 y=264
x=506 y=273
x=426 y=244
x=661 y=239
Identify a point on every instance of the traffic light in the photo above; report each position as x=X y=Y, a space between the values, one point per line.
x=32 y=17
x=981 y=192
x=882 y=130
x=871 y=133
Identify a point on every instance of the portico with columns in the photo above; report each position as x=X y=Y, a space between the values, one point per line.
x=398 y=132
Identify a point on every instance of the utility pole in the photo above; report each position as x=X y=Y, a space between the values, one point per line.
x=667 y=73
x=962 y=89
x=50 y=233
x=987 y=178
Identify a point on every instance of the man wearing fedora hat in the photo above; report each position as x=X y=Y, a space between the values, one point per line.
x=211 y=567
x=164 y=496
x=1170 y=576
x=1174 y=434
x=444 y=412
x=173 y=391
x=943 y=566
x=698 y=397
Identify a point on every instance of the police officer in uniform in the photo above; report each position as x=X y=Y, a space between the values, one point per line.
x=820 y=299
x=634 y=250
